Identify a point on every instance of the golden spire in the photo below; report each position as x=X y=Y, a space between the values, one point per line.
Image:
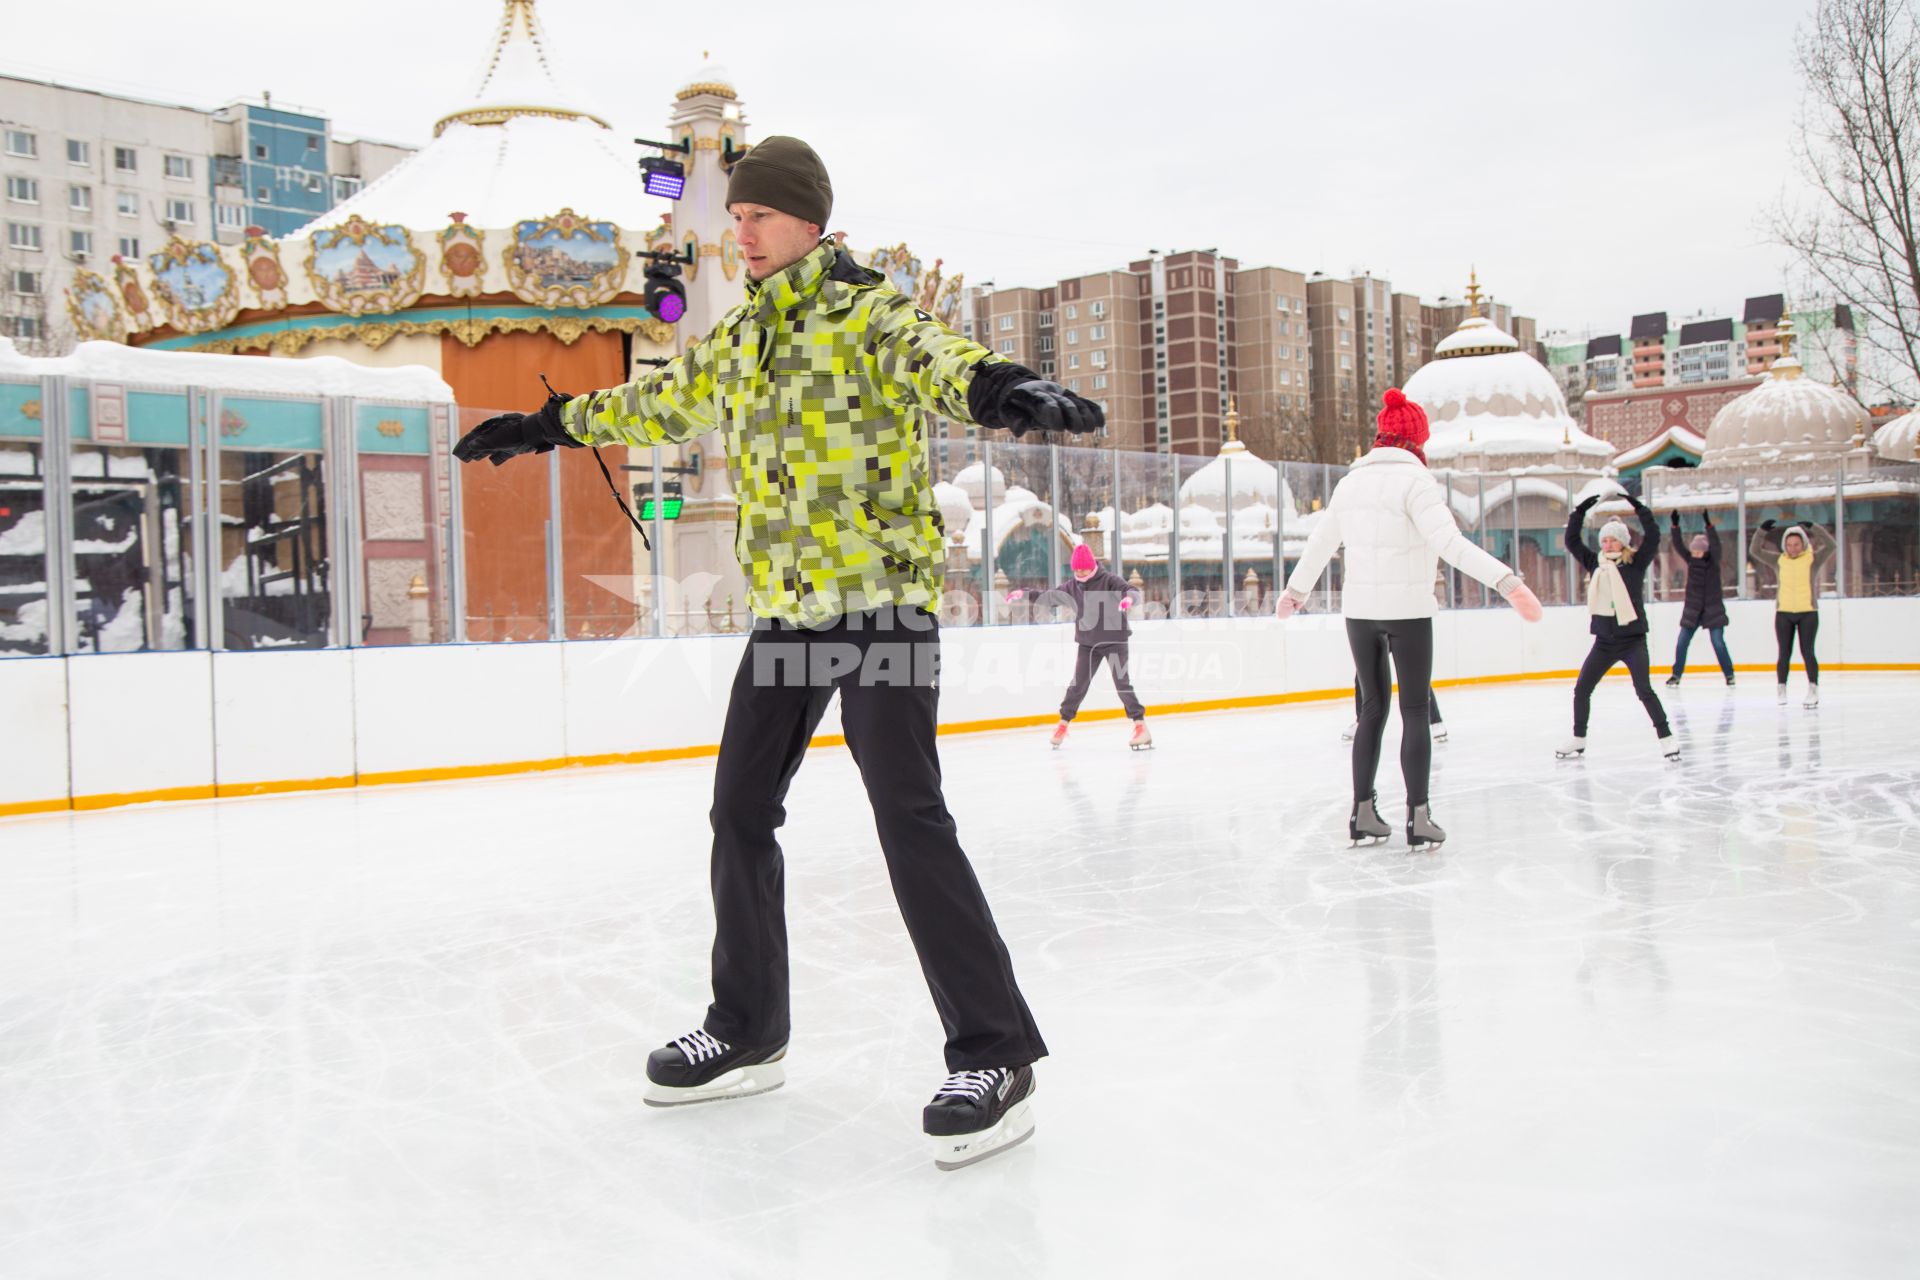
x=1473 y=291
x=1786 y=365
x=1233 y=418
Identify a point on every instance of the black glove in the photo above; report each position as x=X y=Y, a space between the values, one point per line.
x=511 y=434
x=1016 y=398
x=1675 y=516
x=1767 y=525
x=1588 y=505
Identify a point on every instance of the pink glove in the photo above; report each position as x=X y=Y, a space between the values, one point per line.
x=1285 y=607
x=1525 y=603
x=1126 y=602
x=1018 y=593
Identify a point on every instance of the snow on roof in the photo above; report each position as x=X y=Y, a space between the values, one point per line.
x=1476 y=333
x=1674 y=434
x=1255 y=480
x=1896 y=440
x=1787 y=412
x=144 y=366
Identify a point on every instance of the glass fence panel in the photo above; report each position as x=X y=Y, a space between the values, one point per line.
x=24 y=596
x=1146 y=546
x=504 y=543
x=270 y=505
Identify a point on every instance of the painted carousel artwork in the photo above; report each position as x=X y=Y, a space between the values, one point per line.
x=462 y=256
x=127 y=281
x=363 y=269
x=566 y=261
x=195 y=285
x=94 y=309
x=930 y=290
x=264 y=272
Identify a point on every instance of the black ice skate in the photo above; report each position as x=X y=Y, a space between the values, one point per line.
x=1422 y=829
x=699 y=1068
x=976 y=1114
x=1366 y=826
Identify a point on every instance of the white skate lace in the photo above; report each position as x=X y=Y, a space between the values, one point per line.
x=698 y=1046
x=971 y=1085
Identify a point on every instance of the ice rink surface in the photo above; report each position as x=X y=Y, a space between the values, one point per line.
x=1635 y=1019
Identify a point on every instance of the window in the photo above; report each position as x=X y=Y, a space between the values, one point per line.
x=80 y=199
x=1073 y=337
x=23 y=281
x=345 y=188
x=1006 y=346
x=179 y=167
x=129 y=246
x=1100 y=382
x=315 y=184
x=1346 y=363
x=1046 y=368
x=21 y=143
x=259 y=151
x=1099 y=359
x=313 y=142
x=1099 y=333
x=1046 y=342
x=23 y=235
x=1073 y=361
x=1046 y=319
x=125 y=160
x=1097 y=310
x=1286 y=377
x=1073 y=384
x=23 y=190
x=231 y=216
x=127 y=204
x=1280 y=303
x=79 y=152
x=80 y=243
x=1006 y=322
x=1073 y=312
x=1346 y=337
x=26 y=326
x=179 y=210
x=1345 y=315
x=263 y=195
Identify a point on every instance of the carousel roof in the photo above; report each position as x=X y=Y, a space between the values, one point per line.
x=1896 y=440
x=1256 y=482
x=519 y=136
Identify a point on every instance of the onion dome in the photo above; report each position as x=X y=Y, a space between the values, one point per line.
x=1787 y=416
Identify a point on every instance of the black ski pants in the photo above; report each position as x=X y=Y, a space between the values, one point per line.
x=1806 y=625
x=1607 y=651
x=1085 y=663
x=885 y=667
x=1408 y=642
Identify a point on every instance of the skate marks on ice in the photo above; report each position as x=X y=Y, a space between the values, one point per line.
x=403 y=1032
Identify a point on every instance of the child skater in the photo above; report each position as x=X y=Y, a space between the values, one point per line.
x=1616 y=601
x=1796 y=566
x=1101 y=600
x=1705 y=603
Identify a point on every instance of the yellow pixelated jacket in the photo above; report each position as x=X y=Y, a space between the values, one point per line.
x=821 y=380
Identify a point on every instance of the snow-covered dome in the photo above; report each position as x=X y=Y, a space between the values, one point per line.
x=1255 y=481
x=1483 y=394
x=1896 y=439
x=1787 y=416
x=972 y=482
x=708 y=77
x=956 y=511
x=520 y=146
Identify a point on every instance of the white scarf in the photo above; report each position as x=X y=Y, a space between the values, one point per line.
x=1607 y=591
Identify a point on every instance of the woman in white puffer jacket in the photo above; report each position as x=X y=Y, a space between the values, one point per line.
x=1395 y=524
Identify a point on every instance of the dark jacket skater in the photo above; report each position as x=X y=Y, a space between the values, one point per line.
x=1705 y=604
x=1616 y=599
x=1100 y=602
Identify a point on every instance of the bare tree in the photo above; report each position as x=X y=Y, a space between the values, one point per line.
x=1859 y=150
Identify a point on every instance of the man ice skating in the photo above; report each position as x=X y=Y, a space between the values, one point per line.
x=1101 y=600
x=821 y=381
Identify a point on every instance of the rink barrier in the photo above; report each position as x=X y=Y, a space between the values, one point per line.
x=96 y=732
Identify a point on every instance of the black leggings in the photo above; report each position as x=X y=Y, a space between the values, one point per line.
x=1788 y=624
x=1409 y=643
x=1631 y=650
x=1433 y=704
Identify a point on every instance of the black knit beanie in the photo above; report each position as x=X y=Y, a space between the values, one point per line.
x=783 y=174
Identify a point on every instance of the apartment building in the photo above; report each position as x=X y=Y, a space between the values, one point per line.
x=1337 y=423
x=1105 y=352
x=91 y=175
x=1272 y=359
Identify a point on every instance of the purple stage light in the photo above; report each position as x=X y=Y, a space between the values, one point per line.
x=671 y=307
x=663 y=177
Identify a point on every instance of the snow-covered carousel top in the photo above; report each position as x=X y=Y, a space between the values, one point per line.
x=1493 y=406
x=1788 y=416
x=450 y=223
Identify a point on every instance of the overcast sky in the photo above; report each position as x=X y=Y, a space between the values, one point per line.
x=1593 y=160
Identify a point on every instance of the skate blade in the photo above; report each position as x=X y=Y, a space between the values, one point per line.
x=1141 y=746
x=1568 y=755
x=741 y=1082
x=959 y=1150
x=1367 y=841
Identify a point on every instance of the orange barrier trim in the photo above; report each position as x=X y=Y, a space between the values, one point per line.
x=452 y=773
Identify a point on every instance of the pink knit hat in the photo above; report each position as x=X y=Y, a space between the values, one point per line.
x=1083 y=561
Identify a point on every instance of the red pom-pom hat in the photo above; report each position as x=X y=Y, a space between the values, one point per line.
x=1402 y=424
